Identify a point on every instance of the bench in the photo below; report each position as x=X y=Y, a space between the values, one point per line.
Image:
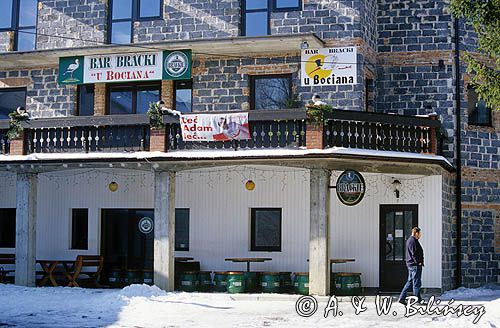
x=7 y=259
x=81 y=267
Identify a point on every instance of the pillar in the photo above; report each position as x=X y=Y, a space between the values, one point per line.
x=164 y=230
x=319 y=259
x=26 y=195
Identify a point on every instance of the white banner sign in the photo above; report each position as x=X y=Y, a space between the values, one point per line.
x=329 y=66
x=125 y=67
x=214 y=127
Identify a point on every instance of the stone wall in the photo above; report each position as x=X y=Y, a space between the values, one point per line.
x=449 y=251
x=44 y=98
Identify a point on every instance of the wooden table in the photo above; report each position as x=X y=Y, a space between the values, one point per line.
x=183 y=259
x=48 y=267
x=248 y=260
x=341 y=260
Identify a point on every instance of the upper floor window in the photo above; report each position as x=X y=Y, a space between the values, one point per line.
x=479 y=113
x=132 y=98
x=183 y=96
x=271 y=91
x=10 y=99
x=125 y=12
x=20 y=16
x=85 y=100
x=257 y=14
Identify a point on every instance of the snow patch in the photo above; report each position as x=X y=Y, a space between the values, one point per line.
x=141 y=291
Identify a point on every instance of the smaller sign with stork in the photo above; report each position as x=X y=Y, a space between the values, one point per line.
x=71 y=70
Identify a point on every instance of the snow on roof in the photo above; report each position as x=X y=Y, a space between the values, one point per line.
x=226 y=154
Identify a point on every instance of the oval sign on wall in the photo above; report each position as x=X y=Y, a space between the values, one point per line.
x=350 y=187
x=146 y=225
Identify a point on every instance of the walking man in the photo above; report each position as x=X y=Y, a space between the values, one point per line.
x=414 y=263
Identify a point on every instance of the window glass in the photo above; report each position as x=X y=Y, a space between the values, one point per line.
x=182 y=229
x=26 y=39
x=479 y=113
x=145 y=96
x=6 y=10
x=266 y=230
x=27 y=13
x=287 y=4
x=121 y=32
x=256 y=4
x=120 y=100
x=79 y=228
x=256 y=24
x=271 y=92
x=122 y=9
x=183 y=96
x=86 y=100
x=149 y=8
x=7 y=227
x=10 y=99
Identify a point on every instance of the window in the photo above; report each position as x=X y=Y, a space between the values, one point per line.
x=79 y=228
x=85 y=100
x=20 y=16
x=132 y=98
x=125 y=12
x=479 y=114
x=7 y=227
x=257 y=14
x=183 y=96
x=266 y=229
x=10 y=99
x=182 y=229
x=271 y=91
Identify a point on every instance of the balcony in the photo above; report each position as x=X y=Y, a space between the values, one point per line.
x=270 y=129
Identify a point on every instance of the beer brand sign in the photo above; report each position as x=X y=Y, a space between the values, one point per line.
x=148 y=66
x=350 y=187
x=329 y=66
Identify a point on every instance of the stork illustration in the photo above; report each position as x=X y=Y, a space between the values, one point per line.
x=72 y=68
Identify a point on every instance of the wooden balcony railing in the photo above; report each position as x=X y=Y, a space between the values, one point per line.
x=270 y=129
x=377 y=131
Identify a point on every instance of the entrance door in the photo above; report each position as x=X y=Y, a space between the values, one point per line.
x=396 y=222
x=127 y=242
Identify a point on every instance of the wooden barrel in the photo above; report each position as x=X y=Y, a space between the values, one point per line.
x=270 y=282
x=301 y=283
x=251 y=282
x=115 y=278
x=147 y=277
x=220 y=281
x=133 y=276
x=347 y=284
x=205 y=281
x=286 y=285
x=189 y=281
x=236 y=282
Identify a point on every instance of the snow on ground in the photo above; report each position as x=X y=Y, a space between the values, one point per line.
x=145 y=306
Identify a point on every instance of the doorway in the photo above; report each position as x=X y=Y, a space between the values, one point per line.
x=127 y=245
x=396 y=222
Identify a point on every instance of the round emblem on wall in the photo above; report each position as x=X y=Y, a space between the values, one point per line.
x=146 y=225
x=350 y=187
x=176 y=63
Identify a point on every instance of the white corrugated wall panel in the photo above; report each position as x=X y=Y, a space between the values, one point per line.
x=354 y=230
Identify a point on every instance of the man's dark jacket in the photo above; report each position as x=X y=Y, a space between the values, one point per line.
x=414 y=252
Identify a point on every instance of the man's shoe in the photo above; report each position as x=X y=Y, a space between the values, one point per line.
x=403 y=302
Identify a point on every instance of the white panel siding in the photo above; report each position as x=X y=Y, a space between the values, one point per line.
x=354 y=230
x=220 y=215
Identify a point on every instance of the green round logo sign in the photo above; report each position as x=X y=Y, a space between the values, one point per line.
x=146 y=225
x=176 y=63
x=350 y=187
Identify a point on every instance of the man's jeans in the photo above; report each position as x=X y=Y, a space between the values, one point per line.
x=415 y=280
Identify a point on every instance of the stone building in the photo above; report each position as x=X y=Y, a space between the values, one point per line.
x=409 y=74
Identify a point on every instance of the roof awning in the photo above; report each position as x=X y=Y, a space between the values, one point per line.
x=235 y=46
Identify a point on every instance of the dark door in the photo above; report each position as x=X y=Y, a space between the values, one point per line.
x=127 y=240
x=396 y=222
